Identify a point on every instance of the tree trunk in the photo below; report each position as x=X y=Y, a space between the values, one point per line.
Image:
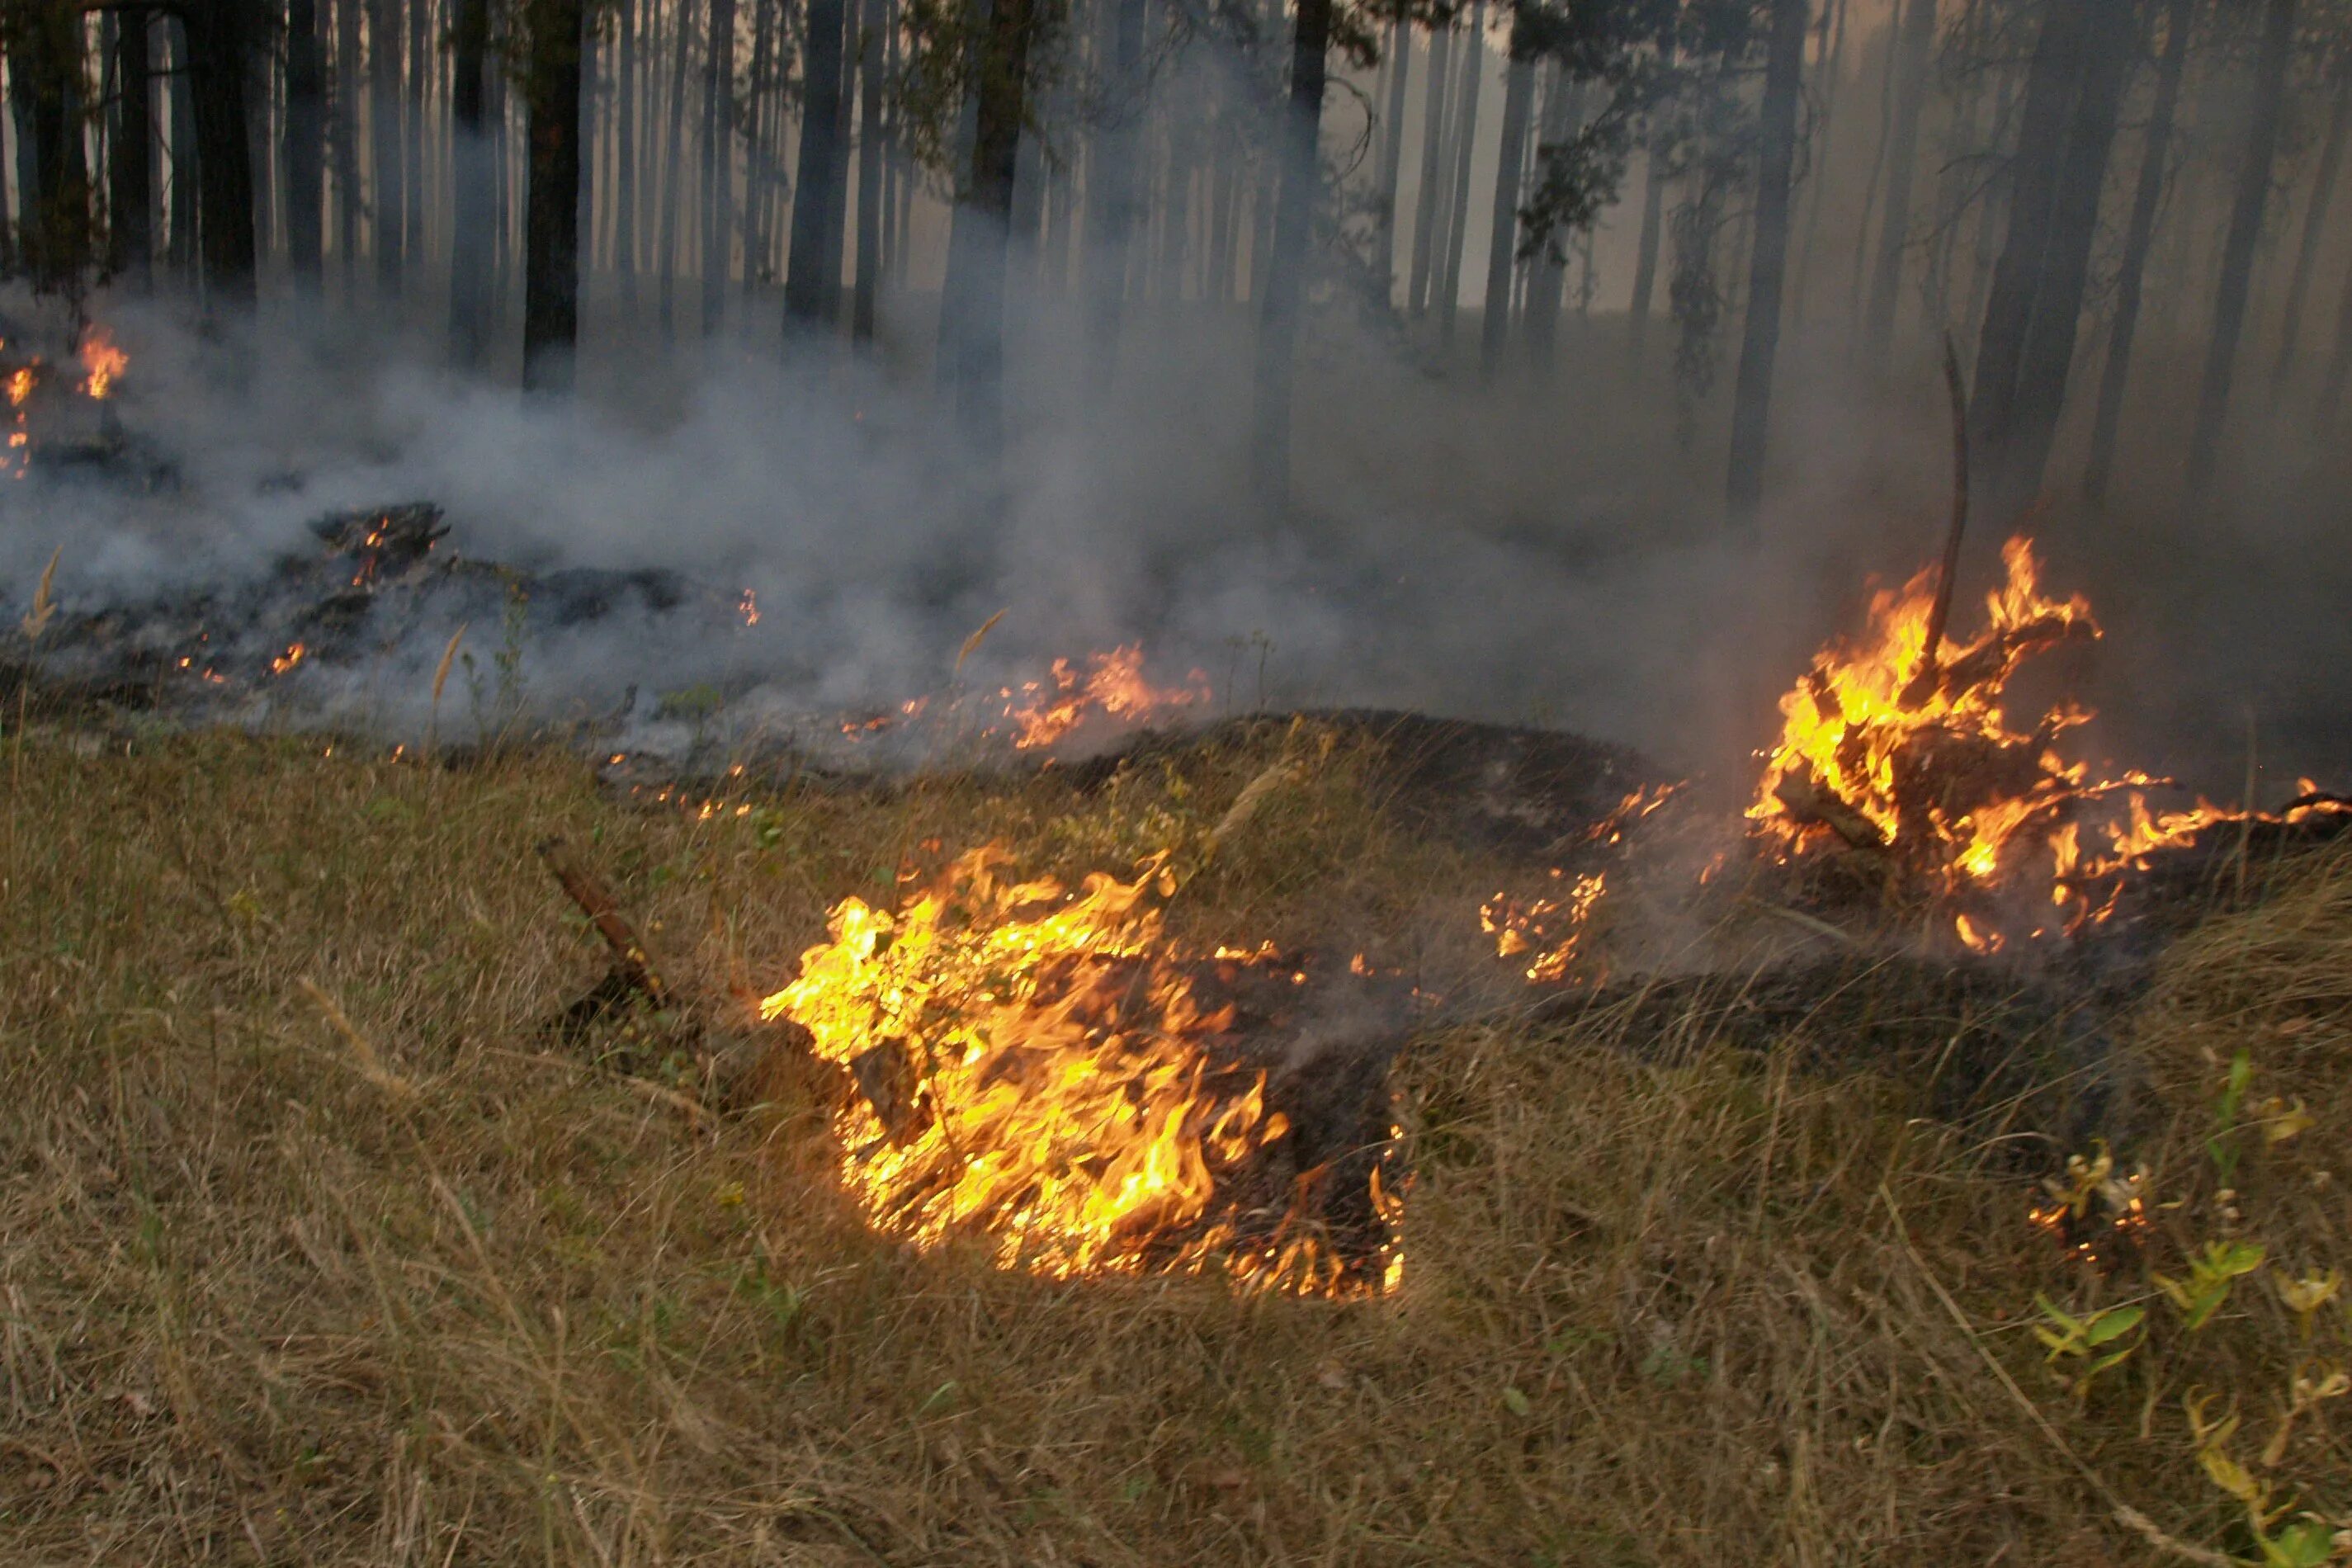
x=673 y=162
x=757 y=109
x=420 y=14
x=2314 y=225
x=1548 y=285
x=1645 y=258
x=1392 y=153
x=1878 y=148
x=1298 y=194
x=45 y=59
x=1110 y=221
x=869 y=175
x=625 y=160
x=551 y=303
x=383 y=139
x=2339 y=362
x=1436 y=102
x=2154 y=164
x=1457 y=226
x=474 y=195
x=131 y=171
x=836 y=180
x=2238 y=251
x=2073 y=88
x=346 y=112
x=1502 y=248
x=1834 y=19
x=1914 y=55
x=972 y=327
x=808 y=284
x=1784 y=73
x=718 y=164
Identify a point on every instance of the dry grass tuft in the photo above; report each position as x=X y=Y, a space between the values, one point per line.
x=316 y=1248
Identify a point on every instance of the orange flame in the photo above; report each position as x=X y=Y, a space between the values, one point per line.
x=1036 y=1074
x=1552 y=928
x=748 y=607
x=1112 y=683
x=103 y=360
x=294 y=655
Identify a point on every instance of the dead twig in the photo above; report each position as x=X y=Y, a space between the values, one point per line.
x=632 y=959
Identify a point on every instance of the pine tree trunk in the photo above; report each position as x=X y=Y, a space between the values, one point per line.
x=551 y=304
x=1833 y=19
x=346 y=108
x=260 y=143
x=1547 y=282
x=1502 y=248
x=1392 y=155
x=218 y=61
x=45 y=59
x=673 y=162
x=1645 y=256
x=808 y=283
x=383 y=140
x=1299 y=193
x=837 y=181
x=1111 y=220
x=474 y=195
x=625 y=159
x=2114 y=376
x=757 y=109
x=2314 y=225
x=131 y=171
x=1457 y=225
x=1878 y=149
x=2339 y=362
x=420 y=16
x=1914 y=55
x=971 y=328
x=1435 y=102
x=1784 y=72
x=869 y=175
x=718 y=164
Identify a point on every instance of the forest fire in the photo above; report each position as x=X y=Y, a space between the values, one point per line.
x=1044 y=1073
x=1112 y=684
x=1890 y=746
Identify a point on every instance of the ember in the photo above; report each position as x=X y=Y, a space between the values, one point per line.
x=1039 y=1070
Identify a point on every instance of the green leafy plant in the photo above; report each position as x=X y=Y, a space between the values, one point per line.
x=2080 y=1349
x=2211 y=1273
x=2222 y=1145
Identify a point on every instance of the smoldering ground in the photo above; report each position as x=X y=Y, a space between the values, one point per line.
x=1538 y=549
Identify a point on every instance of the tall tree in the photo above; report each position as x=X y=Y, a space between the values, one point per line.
x=1914 y=55
x=1297 y=191
x=412 y=144
x=1502 y=248
x=2246 y=231
x=45 y=46
x=383 y=139
x=557 y=45
x=626 y=162
x=130 y=167
x=717 y=163
x=474 y=186
x=2315 y=221
x=1457 y=225
x=1400 y=64
x=2033 y=313
x=972 y=324
x=2154 y=166
x=1784 y=70
x=809 y=283
x=869 y=173
x=1111 y=178
x=219 y=48
x=347 y=140
x=1435 y=102
x=672 y=162
x=1563 y=109
x=1645 y=255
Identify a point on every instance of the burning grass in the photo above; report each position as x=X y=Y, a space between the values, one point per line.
x=408 y=1282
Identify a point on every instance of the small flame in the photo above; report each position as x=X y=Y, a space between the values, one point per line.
x=20 y=386
x=295 y=654
x=1550 y=928
x=103 y=360
x=1112 y=683
x=748 y=607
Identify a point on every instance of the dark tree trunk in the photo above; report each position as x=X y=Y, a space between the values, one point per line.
x=1393 y=152
x=1298 y=194
x=2114 y=376
x=1751 y=407
x=420 y=14
x=836 y=184
x=474 y=182
x=1457 y=225
x=971 y=328
x=2238 y=251
x=1645 y=258
x=218 y=58
x=672 y=163
x=718 y=164
x=809 y=282
x=2073 y=88
x=1502 y=248
x=1436 y=102
x=45 y=46
x=1110 y=221
x=625 y=156
x=1832 y=67
x=1915 y=54
x=383 y=140
x=869 y=173
x=551 y=303
x=758 y=110
x=347 y=140
x=180 y=210
x=2339 y=362
x=2314 y=225
x=1548 y=285
x=131 y=171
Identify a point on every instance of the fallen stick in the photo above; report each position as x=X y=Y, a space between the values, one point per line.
x=631 y=957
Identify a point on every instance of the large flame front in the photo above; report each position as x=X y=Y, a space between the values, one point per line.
x=1035 y=1070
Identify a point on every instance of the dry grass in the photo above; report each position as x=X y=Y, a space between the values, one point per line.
x=269 y=1294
